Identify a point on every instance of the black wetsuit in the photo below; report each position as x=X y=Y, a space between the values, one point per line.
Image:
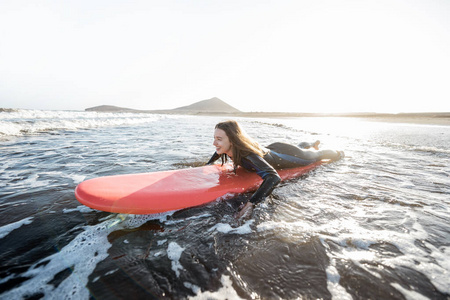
x=254 y=162
x=279 y=156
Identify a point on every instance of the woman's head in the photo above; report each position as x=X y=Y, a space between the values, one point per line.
x=231 y=140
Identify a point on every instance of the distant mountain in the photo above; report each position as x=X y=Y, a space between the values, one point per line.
x=213 y=105
x=110 y=108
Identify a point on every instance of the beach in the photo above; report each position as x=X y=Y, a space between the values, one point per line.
x=438 y=119
x=410 y=118
x=431 y=118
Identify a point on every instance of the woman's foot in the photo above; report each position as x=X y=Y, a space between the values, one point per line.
x=306 y=145
x=316 y=145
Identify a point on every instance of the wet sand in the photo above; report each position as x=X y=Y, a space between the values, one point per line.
x=411 y=118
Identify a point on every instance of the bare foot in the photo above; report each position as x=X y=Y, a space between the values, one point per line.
x=316 y=145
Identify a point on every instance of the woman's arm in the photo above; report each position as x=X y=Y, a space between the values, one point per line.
x=270 y=181
x=263 y=191
x=270 y=177
x=213 y=158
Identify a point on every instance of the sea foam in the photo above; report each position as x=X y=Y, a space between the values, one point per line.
x=5 y=230
x=23 y=122
x=80 y=256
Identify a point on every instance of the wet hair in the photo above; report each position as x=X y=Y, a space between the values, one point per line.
x=242 y=145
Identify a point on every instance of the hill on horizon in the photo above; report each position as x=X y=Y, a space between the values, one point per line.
x=110 y=108
x=213 y=105
x=209 y=105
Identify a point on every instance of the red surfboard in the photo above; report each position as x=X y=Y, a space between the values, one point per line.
x=156 y=192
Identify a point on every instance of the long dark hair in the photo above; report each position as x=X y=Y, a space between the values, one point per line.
x=242 y=145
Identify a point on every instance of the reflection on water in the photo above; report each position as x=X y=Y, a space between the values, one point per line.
x=374 y=225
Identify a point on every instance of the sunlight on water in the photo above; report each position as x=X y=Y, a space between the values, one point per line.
x=373 y=225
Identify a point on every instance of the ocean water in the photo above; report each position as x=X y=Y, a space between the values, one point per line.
x=373 y=225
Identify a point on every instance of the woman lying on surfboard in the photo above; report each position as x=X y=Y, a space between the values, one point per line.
x=231 y=141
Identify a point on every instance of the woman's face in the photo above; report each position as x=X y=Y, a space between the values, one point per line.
x=222 y=143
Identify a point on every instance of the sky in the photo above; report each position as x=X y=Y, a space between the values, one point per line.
x=256 y=55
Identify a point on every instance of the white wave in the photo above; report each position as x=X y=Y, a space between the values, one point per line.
x=81 y=256
x=356 y=241
x=22 y=122
x=338 y=292
x=171 y=222
x=5 y=230
x=430 y=149
x=409 y=295
x=80 y=208
x=226 y=228
x=174 y=253
x=193 y=287
x=225 y=292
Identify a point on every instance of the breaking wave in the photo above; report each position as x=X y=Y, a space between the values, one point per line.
x=25 y=122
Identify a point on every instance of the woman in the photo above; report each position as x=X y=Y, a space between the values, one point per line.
x=231 y=141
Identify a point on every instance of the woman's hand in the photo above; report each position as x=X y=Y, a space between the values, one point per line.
x=246 y=211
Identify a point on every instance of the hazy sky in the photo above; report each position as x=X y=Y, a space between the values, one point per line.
x=299 y=55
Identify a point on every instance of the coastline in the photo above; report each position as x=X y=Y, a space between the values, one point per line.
x=436 y=118
x=423 y=120
x=442 y=119
x=217 y=107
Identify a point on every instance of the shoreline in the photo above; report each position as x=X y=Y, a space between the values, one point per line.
x=408 y=118
x=422 y=120
x=429 y=118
